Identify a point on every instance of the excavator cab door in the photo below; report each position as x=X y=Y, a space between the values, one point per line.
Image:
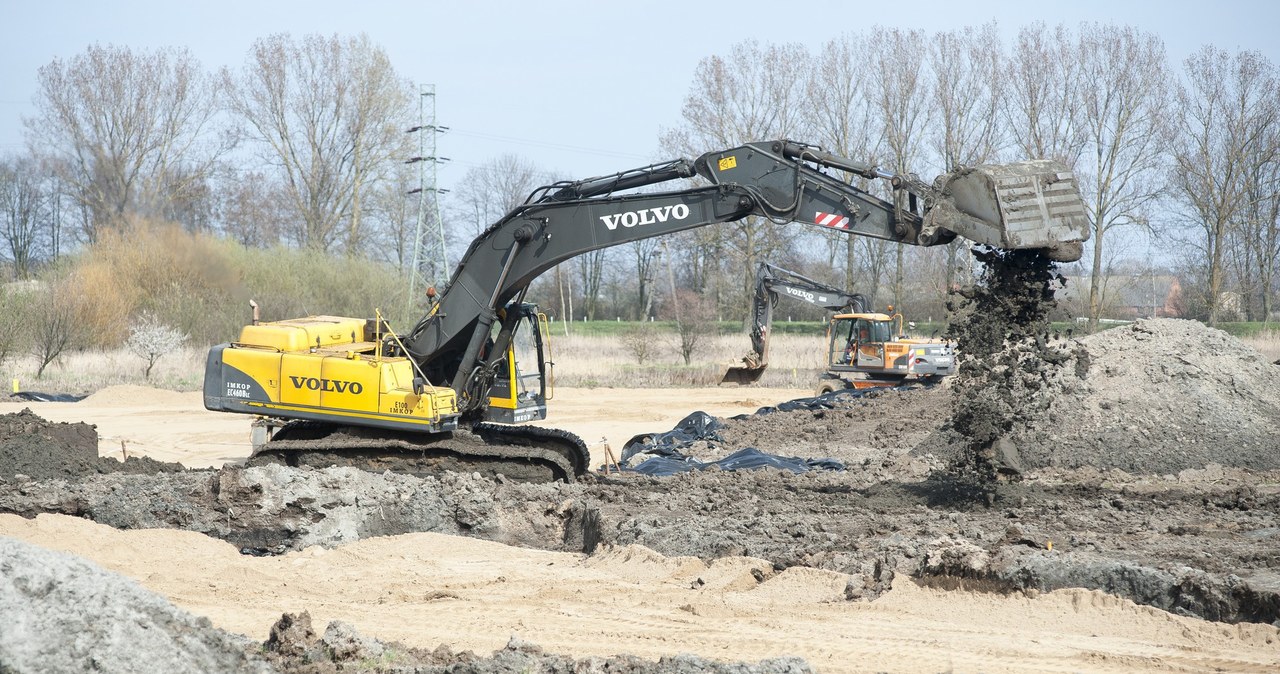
x=519 y=392
x=857 y=344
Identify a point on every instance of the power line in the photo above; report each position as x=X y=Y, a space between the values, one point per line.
x=430 y=262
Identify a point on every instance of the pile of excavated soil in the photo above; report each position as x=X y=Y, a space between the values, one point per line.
x=64 y=614
x=1160 y=396
x=32 y=446
x=1156 y=397
x=132 y=395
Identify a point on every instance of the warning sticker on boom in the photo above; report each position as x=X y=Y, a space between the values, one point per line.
x=728 y=163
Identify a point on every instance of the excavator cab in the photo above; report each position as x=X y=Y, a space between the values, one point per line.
x=860 y=340
x=866 y=350
x=521 y=388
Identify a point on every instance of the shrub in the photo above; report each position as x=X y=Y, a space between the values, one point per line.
x=149 y=339
x=639 y=341
x=59 y=323
x=15 y=307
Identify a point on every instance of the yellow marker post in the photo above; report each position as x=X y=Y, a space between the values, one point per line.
x=15 y=384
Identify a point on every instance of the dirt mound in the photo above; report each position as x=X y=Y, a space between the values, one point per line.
x=1160 y=396
x=295 y=647
x=40 y=449
x=131 y=395
x=64 y=614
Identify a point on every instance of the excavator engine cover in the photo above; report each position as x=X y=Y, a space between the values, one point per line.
x=1030 y=204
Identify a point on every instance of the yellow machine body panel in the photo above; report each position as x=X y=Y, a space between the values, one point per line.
x=343 y=380
x=302 y=334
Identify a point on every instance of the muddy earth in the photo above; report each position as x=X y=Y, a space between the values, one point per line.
x=31 y=447
x=1147 y=468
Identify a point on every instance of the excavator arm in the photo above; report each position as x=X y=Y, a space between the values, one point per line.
x=771 y=282
x=1030 y=205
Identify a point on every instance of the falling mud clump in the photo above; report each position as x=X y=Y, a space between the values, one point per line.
x=40 y=449
x=1007 y=358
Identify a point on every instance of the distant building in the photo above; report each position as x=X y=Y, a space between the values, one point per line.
x=1127 y=296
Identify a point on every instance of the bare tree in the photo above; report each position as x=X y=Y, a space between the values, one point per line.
x=58 y=325
x=1254 y=238
x=252 y=206
x=1042 y=95
x=842 y=118
x=329 y=113
x=23 y=210
x=1123 y=119
x=899 y=92
x=645 y=253
x=694 y=325
x=757 y=92
x=591 y=268
x=128 y=132
x=392 y=215
x=489 y=191
x=15 y=305
x=968 y=72
x=1222 y=112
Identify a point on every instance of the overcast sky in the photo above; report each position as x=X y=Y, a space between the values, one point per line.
x=580 y=88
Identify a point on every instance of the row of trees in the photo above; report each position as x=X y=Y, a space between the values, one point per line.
x=305 y=143
x=1179 y=164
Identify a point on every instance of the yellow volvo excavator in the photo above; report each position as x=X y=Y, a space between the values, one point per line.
x=445 y=394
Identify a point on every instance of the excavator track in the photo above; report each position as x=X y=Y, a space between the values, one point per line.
x=519 y=453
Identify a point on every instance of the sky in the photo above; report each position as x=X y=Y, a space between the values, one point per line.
x=577 y=88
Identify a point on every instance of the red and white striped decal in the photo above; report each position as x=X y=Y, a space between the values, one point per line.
x=831 y=220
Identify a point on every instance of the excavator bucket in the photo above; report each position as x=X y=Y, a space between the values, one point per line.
x=1030 y=204
x=742 y=374
x=749 y=372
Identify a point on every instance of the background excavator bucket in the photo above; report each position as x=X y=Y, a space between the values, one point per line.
x=742 y=374
x=1031 y=204
x=752 y=368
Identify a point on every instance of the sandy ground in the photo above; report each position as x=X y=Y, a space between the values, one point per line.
x=169 y=426
x=428 y=589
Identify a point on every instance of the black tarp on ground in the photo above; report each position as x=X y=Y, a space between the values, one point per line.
x=743 y=459
x=667 y=459
x=695 y=427
x=35 y=397
x=826 y=401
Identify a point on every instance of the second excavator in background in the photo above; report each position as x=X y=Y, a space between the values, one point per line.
x=864 y=349
x=443 y=394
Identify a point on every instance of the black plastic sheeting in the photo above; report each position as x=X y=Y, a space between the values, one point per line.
x=34 y=397
x=743 y=459
x=827 y=401
x=665 y=457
